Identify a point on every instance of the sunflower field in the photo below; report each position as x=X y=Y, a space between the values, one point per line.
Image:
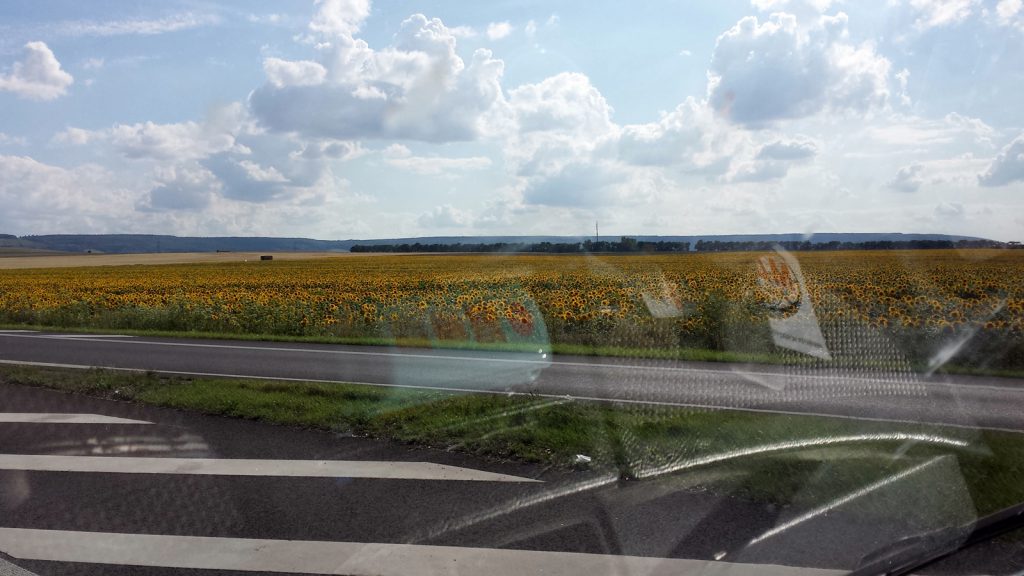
x=967 y=304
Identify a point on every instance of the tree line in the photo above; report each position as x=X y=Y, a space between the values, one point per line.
x=631 y=245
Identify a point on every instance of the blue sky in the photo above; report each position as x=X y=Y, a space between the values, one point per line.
x=346 y=119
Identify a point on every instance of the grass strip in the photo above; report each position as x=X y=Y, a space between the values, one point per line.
x=630 y=440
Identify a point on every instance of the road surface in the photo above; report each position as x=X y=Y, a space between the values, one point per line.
x=963 y=401
x=95 y=487
x=90 y=486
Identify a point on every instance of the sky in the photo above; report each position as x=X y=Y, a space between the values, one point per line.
x=340 y=119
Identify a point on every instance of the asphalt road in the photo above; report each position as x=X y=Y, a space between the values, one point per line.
x=90 y=486
x=484 y=518
x=971 y=402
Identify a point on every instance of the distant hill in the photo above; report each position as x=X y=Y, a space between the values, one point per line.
x=144 y=243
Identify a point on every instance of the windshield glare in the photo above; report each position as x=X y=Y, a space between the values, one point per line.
x=355 y=287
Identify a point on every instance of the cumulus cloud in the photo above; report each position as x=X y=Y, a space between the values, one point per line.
x=8 y=140
x=180 y=141
x=75 y=136
x=950 y=211
x=281 y=73
x=1008 y=13
x=499 y=30
x=788 y=150
x=939 y=13
x=690 y=139
x=402 y=158
x=758 y=171
x=417 y=89
x=339 y=17
x=777 y=69
x=445 y=216
x=188 y=188
x=908 y=178
x=1007 y=167
x=37 y=76
x=41 y=198
x=463 y=31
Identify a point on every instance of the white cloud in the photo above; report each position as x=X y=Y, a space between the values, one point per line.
x=812 y=6
x=463 y=31
x=75 y=136
x=950 y=211
x=445 y=216
x=418 y=89
x=37 y=76
x=281 y=73
x=903 y=77
x=923 y=132
x=498 y=30
x=766 y=71
x=8 y=140
x=271 y=18
x=1007 y=11
x=402 y=158
x=689 y=138
x=530 y=29
x=39 y=198
x=788 y=150
x=188 y=188
x=939 y=13
x=907 y=179
x=339 y=17
x=144 y=27
x=757 y=171
x=180 y=141
x=93 y=64
x=1007 y=167
x=256 y=173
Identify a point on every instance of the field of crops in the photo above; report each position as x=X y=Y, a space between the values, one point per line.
x=905 y=305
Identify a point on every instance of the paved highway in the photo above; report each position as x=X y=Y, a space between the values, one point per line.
x=971 y=402
x=94 y=487
x=90 y=486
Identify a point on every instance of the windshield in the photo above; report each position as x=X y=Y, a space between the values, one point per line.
x=355 y=287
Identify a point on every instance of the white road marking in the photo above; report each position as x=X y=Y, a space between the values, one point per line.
x=351 y=558
x=614 y=400
x=17 y=331
x=54 y=418
x=86 y=337
x=251 y=467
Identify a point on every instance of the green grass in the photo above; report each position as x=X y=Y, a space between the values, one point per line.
x=630 y=441
x=682 y=354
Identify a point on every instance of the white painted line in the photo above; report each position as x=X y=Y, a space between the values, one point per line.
x=666 y=403
x=17 y=331
x=86 y=337
x=54 y=418
x=250 y=467
x=485 y=360
x=350 y=558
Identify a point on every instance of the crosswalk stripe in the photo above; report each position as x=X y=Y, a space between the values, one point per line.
x=61 y=418
x=249 y=467
x=352 y=558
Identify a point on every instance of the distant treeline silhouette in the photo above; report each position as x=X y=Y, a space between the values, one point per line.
x=632 y=245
